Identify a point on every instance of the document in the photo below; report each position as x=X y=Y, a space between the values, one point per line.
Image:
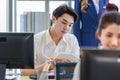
x=10 y=77
x=70 y=57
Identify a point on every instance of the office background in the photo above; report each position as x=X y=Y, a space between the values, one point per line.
x=26 y=15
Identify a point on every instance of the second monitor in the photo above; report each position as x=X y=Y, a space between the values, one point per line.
x=100 y=64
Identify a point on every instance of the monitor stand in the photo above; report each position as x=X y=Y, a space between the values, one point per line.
x=3 y=75
x=2 y=71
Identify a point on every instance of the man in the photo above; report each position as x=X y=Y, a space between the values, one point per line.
x=49 y=44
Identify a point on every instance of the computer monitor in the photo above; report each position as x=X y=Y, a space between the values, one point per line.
x=64 y=71
x=16 y=50
x=100 y=64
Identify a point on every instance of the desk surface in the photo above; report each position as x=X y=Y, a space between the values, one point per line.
x=23 y=78
x=10 y=71
x=26 y=78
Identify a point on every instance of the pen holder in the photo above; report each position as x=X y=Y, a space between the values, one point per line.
x=42 y=75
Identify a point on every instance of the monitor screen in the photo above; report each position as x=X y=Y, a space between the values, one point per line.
x=16 y=50
x=100 y=64
x=64 y=71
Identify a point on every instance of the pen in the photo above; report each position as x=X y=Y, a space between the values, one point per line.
x=49 y=57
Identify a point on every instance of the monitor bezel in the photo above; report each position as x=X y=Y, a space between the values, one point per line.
x=100 y=64
x=28 y=46
x=59 y=65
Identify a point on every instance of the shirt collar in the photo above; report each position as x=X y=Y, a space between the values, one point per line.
x=64 y=38
x=49 y=39
x=100 y=47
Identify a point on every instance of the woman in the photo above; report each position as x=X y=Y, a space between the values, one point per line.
x=108 y=34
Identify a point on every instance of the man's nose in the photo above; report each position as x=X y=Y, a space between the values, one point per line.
x=66 y=26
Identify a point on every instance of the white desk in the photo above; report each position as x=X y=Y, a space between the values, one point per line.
x=8 y=71
x=26 y=78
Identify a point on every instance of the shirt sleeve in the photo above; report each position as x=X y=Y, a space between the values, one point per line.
x=76 y=75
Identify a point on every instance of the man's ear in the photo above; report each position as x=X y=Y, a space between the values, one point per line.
x=53 y=19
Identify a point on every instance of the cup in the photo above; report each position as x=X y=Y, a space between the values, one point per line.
x=42 y=75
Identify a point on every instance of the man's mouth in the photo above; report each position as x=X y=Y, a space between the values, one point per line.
x=64 y=31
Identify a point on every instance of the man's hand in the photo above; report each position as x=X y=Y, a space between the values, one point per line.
x=52 y=61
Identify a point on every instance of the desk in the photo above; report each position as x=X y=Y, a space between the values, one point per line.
x=10 y=71
x=26 y=78
x=23 y=78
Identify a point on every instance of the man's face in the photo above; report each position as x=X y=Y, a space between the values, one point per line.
x=63 y=24
x=110 y=36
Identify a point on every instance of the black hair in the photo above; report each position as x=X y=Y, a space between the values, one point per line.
x=108 y=18
x=59 y=11
x=111 y=7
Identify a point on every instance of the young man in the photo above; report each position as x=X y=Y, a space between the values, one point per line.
x=56 y=40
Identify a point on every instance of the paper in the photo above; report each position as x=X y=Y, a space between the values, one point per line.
x=70 y=57
x=10 y=77
x=51 y=73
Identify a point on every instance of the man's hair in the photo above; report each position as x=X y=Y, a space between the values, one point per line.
x=59 y=11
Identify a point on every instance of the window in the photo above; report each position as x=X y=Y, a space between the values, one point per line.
x=27 y=6
x=24 y=6
x=56 y=4
x=3 y=14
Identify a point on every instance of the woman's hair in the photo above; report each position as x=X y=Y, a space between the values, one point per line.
x=111 y=7
x=84 y=5
x=59 y=11
x=107 y=18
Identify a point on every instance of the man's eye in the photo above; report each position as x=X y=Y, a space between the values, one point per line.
x=63 y=22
